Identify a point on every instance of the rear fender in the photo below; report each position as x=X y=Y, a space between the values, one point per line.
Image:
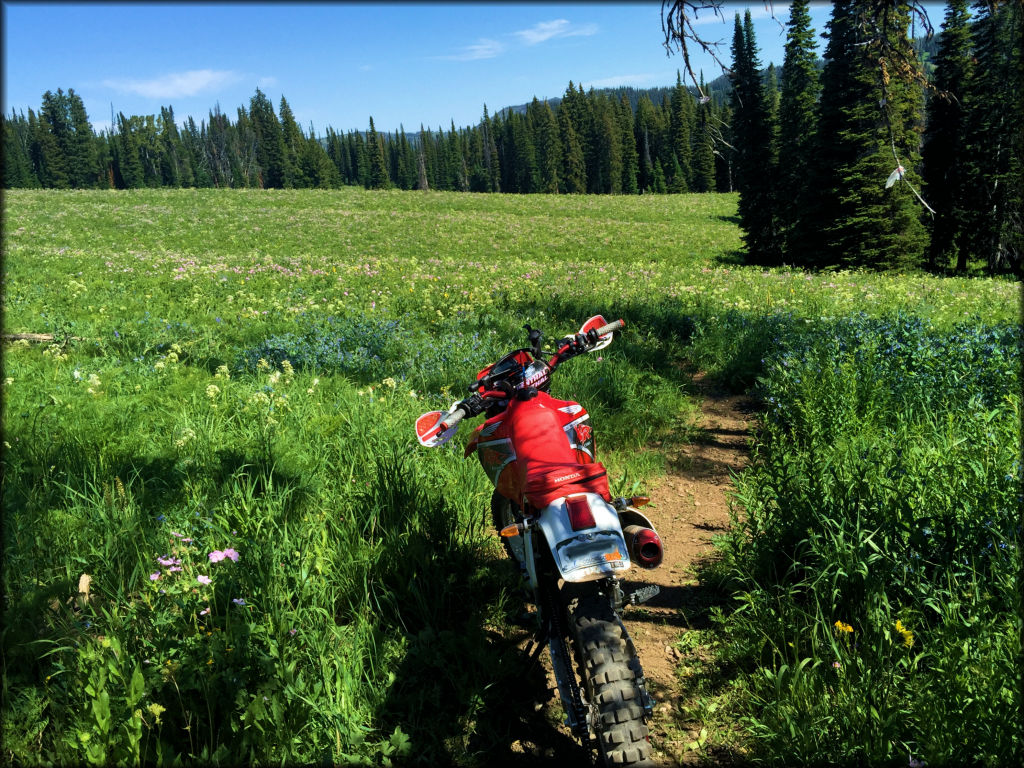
x=589 y=554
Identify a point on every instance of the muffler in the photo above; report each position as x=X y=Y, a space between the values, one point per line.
x=644 y=545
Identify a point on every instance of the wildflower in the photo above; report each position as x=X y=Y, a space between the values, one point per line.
x=212 y=391
x=389 y=383
x=159 y=365
x=203 y=579
x=292 y=632
x=175 y=349
x=156 y=710
x=172 y=357
x=174 y=569
x=222 y=372
x=262 y=365
x=231 y=554
x=216 y=556
x=836 y=665
x=77 y=374
x=204 y=612
x=154 y=576
x=165 y=561
x=238 y=600
x=94 y=380
x=260 y=398
x=286 y=366
x=176 y=534
x=908 y=636
x=843 y=627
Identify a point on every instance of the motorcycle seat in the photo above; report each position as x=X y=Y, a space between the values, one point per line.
x=548 y=482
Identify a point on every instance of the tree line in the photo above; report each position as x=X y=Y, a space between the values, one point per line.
x=866 y=163
x=593 y=142
x=859 y=160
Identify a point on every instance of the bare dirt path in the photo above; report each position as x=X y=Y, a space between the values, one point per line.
x=688 y=506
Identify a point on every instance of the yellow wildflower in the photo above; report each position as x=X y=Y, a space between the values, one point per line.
x=843 y=627
x=212 y=390
x=908 y=636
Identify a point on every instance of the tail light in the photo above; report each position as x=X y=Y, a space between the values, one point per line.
x=580 y=516
x=644 y=545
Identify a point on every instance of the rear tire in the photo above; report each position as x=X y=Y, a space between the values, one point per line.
x=617 y=713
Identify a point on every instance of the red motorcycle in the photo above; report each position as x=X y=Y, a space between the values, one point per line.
x=572 y=541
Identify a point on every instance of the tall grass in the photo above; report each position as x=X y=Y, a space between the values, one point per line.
x=877 y=564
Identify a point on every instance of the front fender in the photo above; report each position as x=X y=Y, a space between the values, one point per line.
x=590 y=554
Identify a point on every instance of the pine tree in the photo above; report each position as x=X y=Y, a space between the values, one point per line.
x=130 y=165
x=270 y=149
x=292 y=174
x=756 y=161
x=17 y=163
x=797 y=131
x=378 y=172
x=630 y=158
x=574 y=172
x=865 y=224
x=993 y=145
x=681 y=111
x=703 y=148
x=944 y=153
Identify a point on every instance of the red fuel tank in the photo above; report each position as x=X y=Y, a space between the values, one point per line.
x=541 y=449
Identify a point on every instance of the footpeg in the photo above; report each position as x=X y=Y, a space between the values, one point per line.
x=644 y=594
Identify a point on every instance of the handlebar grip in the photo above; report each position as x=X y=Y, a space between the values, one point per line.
x=452 y=419
x=613 y=326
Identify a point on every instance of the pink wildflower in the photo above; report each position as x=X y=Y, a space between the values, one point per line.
x=216 y=556
x=154 y=576
x=203 y=579
x=231 y=554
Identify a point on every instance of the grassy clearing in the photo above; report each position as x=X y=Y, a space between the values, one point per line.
x=249 y=369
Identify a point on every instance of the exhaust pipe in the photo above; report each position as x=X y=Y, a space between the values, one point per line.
x=644 y=545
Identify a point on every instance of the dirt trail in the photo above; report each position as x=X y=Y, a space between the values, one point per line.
x=688 y=506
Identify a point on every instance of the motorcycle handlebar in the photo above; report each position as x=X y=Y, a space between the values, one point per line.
x=613 y=326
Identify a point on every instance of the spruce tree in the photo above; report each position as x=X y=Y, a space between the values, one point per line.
x=867 y=113
x=703 y=148
x=130 y=165
x=378 y=172
x=292 y=172
x=630 y=157
x=270 y=149
x=993 y=145
x=17 y=163
x=681 y=111
x=574 y=172
x=798 y=215
x=944 y=154
x=756 y=161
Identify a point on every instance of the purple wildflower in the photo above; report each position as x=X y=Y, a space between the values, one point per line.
x=238 y=600
x=154 y=576
x=203 y=579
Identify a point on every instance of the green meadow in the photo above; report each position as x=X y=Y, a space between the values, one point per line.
x=223 y=545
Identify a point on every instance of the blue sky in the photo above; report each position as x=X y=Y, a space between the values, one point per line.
x=338 y=64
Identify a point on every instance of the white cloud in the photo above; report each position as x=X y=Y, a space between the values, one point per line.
x=484 y=48
x=176 y=84
x=546 y=30
x=646 y=78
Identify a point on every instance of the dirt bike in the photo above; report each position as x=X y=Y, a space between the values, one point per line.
x=571 y=540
